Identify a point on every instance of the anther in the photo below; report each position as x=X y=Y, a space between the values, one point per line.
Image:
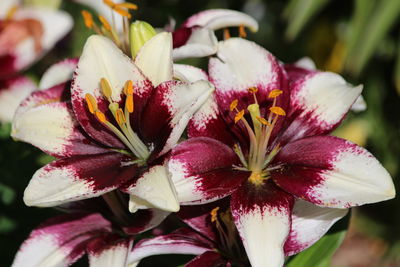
x=275 y=93
x=239 y=115
x=100 y=116
x=128 y=6
x=263 y=121
x=252 y=90
x=277 y=111
x=120 y=117
x=11 y=12
x=105 y=23
x=122 y=12
x=214 y=214
x=87 y=18
x=234 y=104
x=242 y=31
x=91 y=103
x=227 y=34
x=105 y=88
x=128 y=88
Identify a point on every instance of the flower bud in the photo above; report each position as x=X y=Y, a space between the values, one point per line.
x=140 y=33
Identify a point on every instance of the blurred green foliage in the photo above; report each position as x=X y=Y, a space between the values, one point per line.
x=359 y=39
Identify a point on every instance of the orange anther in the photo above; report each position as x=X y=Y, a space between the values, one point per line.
x=122 y=12
x=87 y=18
x=233 y=104
x=109 y=3
x=11 y=12
x=263 y=121
x=239 y=115
x=120 y=117
x=91 y=103
x=277 y=111
x=253 y=90
x=128 y=6
x=128 y=87
x=227 y=34
x=275 y=93
x=129 y=103
x=105 y=23
x=242 y=31
x=100 y=116
x=214 y=214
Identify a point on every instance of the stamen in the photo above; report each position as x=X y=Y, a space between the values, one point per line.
x=122 y=12
x=109 y=3
x=128 y=87
x=256 y=178
x=242 y=31
x=239 y=115
x=275 y=93
x=11 y=12
x=233 y=104
x=91 y=103
x=120 y=117
x=128 y=6
x=214 y=214
x=263 y=121
x=278 y=111
x=88 y=19
x=227 y=34
x=105 y=23
x=253 y=90
x=128 y=90
x=100 y=116
x=106 y=88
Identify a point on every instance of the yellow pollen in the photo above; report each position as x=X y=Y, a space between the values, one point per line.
x=105 y=87
x=239 y=115
x=233 y=104
x=100 y=116
x=105 y=23
x=242 y=31
x=227 y=34
x=11 y=12
x=129 y=103
x=120 y=117
x=88 y=19
x=214 y=214
x=275 y=93
x=277 y=111
x=263 y=121
x=256 y=178
x=128 y=6
x=253 y=90
x=128 y=87
x=91 y=103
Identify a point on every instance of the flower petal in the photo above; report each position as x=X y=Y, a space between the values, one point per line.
x=144 y=220
x=332 y=172
x=201 y=42
x=76 y=178
x=60 y=72
x=153 y=190
x=157 y=49
x=262 y=217
x=221 y=18
x=101 y=58
x=201 y=170
x=183 y=241
x=110 y=250
x=319 y=101
x=208 y=258
x=60 y=241
x=169 y=110
x=309 y=224
x=188 y=73
x=50 y=125
x=12 y=92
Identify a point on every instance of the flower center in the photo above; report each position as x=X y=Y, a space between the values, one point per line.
x=121 y=116
x=259 y=156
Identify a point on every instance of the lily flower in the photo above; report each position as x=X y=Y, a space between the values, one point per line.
x=196 y=38
x=264 y=139
x=27 y=33
x=114 y=131
x=62 y=240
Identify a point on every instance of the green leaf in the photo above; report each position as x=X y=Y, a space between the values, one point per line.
x=299 y=13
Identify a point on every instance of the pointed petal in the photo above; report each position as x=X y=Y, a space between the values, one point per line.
x=188 y=73
x=76 y=178
x=183 y=241
x=201 y=42
x=153 y=190
x=12 y=92
x=309 y=224
x=202 y=170
x=157 y=49
x=60 y=241
x=240 y=65
x=101 y=58
x=144 y=220
x=262 y=217
x=50 y=125
x=208 y=258
x=319 y=102
x=169 y=110
x=332 y=172
x=109 y=251
x=221 y=18
x=60 y=72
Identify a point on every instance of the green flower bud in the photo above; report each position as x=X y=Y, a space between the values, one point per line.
x=140 y=33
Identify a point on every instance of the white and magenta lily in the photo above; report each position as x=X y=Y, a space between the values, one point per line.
x=264 y=140
x=115 y=129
